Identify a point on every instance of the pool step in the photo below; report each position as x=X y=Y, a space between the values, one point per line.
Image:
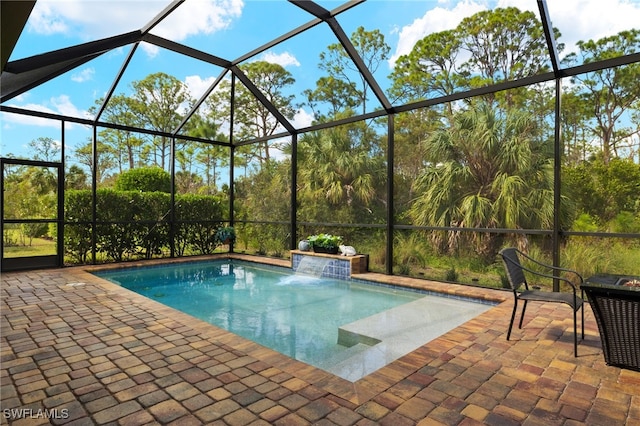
x=419 y=320
x=386 y=336
x=344 y=355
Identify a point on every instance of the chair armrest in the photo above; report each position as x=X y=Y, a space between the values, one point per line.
x=555 y=277
x=554 y=268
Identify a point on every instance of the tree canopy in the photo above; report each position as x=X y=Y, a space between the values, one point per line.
x=483 y=163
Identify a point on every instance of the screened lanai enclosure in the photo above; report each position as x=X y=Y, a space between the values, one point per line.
x=428 y=135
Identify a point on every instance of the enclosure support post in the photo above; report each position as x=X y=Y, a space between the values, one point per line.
x=94 y=193
x=294 y=192
x=60 y=212
x=390 y=216
x=172 y=200
x=232 y=154
x=557 y=163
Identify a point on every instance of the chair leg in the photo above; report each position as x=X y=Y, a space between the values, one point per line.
x=582 y=307
x=575 y=334
x=524 y=308
x=513 y=316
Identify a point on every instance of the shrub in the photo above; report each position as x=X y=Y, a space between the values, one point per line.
x=626 y=222
x=145 y=179
x=137 y=224
x=410 y=249
x=585 y=223
x=451 y=274
x=199 y=218
x=77 y=233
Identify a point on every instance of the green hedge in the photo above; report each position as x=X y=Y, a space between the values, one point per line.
x=199 y=219
x=146 y=179
x=133 y=224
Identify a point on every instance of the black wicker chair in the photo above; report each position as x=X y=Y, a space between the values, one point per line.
x=516 y=277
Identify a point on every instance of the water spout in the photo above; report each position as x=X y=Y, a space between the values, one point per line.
x=312 y=265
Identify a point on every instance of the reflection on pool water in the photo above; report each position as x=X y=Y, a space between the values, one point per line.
x=303 y=317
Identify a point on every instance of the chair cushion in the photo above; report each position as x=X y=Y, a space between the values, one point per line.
x=551 y=296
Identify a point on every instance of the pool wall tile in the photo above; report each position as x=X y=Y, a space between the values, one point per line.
x=339 y=267
x=335 y=268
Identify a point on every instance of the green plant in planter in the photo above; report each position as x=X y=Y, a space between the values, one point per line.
x=325 y=243
x=226 y=235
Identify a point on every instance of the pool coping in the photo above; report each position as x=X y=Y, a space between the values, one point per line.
x=357 y=392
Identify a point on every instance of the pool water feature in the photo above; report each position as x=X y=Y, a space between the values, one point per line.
x=348 y=328
x=310 y=265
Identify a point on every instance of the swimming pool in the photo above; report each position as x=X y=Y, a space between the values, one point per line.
x=303 y=317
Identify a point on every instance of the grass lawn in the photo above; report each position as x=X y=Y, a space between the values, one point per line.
x=38 y=247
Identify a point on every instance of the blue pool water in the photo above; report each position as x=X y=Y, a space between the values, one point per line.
x=296 y=315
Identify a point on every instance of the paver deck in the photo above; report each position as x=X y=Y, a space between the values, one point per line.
x=76 y=349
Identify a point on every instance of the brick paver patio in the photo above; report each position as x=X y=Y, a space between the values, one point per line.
x=83 y=351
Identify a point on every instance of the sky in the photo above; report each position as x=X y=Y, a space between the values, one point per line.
x=231 y=28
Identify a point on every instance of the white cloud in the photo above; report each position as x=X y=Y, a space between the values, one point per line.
x=60 y=105
x=64 y=106
x=576 y=19
x=44 y=19
x=435 y=20
x=99 y=19
x=22 y=97
x=83 y=75
x=91 y=19
x=592 y=20
x=199 y=17
x=193 y=18
x=302 y=119
x=284 y=59
x=28 y=120
x=197 y=85
x=151 y=49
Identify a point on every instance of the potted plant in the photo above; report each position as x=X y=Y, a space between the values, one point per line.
x=325 y=243
x=226 y=235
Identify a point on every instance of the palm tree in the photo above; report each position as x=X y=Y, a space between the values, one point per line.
x=339 y=169
x=485 y=171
